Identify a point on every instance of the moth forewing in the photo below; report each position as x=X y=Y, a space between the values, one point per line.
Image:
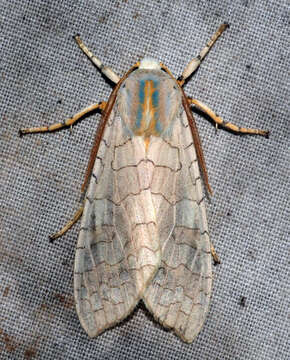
x=179 y=294
x=118 y=250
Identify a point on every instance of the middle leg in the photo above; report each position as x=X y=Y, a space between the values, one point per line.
x=227 y=125
x=69 y=122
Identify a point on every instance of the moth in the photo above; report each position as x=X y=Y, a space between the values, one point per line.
x=144 y=233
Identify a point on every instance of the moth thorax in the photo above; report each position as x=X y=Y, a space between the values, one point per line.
x=149 y=64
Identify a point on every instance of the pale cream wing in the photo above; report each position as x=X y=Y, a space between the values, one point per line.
x=118 y=250
x=179 y=295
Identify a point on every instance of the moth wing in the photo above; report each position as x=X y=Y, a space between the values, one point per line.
x=179 y=294
x=117 y=251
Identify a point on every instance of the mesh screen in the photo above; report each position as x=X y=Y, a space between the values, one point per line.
x=45 y=79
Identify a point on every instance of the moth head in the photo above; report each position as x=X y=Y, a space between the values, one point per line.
x=149 y=64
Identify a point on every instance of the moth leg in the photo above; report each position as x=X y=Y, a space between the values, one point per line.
x=109 y=73
x=68 y=225
x=195 y=62
x=227 y=125
x=68 y=122
x=214 y=254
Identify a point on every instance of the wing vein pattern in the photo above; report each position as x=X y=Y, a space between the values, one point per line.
x=118 y=249
x=179 y=294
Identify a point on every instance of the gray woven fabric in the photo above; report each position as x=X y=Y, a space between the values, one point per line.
x=45 y=78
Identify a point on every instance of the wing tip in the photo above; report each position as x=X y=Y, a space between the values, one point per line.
x=96 y=331
x=184 y=333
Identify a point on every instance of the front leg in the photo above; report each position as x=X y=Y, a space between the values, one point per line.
x=195 y=62
x=227 y=125
x=108 y=72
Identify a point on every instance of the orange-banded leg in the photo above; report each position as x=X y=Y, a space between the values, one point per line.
x=69 y=122
x=108 y=72
x=227 y=125
x=68 y=225
x=66 y=123
x=214 y=255
x=195 y=62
